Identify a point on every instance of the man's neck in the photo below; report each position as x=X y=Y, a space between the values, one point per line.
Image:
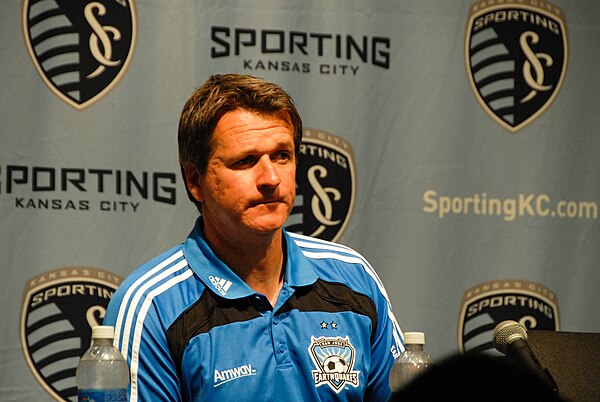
x=259 y=261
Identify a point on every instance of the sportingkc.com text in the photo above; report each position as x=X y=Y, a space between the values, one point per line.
x=508 y=208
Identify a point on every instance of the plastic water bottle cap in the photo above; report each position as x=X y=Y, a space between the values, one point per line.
x=414 y=338
x=103 y=332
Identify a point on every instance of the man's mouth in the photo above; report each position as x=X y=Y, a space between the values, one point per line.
x=266 y=202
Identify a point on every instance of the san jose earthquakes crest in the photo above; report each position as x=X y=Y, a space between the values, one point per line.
x=516 y=55
x=82 y=48
x=334 y=359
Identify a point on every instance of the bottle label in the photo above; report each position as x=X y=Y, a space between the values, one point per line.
x=102 y=395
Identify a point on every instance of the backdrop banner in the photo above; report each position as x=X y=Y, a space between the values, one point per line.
x=453 y=143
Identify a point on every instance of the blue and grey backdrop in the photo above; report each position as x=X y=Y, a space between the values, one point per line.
x=454 y=143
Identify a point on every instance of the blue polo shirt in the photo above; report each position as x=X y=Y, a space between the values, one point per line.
x=192 y=330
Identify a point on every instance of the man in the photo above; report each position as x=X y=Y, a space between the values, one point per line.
x=243 y=310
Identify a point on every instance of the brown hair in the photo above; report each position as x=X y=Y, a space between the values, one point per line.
x=221 y=94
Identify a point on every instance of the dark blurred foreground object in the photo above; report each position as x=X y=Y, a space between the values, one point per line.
x=476 y=377
x=573 y=359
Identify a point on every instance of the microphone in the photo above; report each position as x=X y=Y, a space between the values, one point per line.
x=510 y=338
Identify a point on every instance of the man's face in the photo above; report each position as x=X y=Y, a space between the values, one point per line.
x=250 y=183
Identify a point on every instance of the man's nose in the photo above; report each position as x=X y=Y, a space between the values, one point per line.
x=268 y=176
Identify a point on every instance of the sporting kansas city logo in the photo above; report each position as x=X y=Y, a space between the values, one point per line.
x=516 y=58
x=59 y=309
x=325 y=186
x=334 y=359
x=486 y=305
x=80 y=48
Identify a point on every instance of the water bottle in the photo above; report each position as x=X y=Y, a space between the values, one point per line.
x=412 y=362
x=102 y=374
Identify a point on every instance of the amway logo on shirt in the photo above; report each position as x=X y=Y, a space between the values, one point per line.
x=223 y=376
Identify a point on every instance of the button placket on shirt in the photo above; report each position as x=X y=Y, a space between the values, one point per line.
x=279 y=337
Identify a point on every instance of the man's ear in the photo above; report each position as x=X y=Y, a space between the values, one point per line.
x=192 y=181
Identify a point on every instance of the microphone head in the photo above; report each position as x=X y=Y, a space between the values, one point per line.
x=507 y=332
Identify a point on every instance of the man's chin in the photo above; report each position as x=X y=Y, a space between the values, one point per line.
x=267 y=226
x=273 y=218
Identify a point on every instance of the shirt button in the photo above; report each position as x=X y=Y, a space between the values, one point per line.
x=282 y=347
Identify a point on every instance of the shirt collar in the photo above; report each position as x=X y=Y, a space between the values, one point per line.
x=217 y=276
x=299 y=271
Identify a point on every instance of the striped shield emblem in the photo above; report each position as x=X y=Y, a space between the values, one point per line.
x=81 y=49
x=325 y=186
x=516 y=57
x=488 y=304
x=59 y=309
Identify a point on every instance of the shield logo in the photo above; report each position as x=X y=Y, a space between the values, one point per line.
x=59 y=309
x=488 y=304
x=325 y=186
x=81 y=49
x=334 y=359
x=516 y=57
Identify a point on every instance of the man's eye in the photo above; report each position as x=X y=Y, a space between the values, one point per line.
x=248 y=160
x=283 y=156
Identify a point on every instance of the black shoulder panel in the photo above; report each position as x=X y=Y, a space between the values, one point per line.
x=208 y=312
x=332 y=297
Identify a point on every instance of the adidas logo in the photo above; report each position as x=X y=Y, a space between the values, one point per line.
x=222 y=285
